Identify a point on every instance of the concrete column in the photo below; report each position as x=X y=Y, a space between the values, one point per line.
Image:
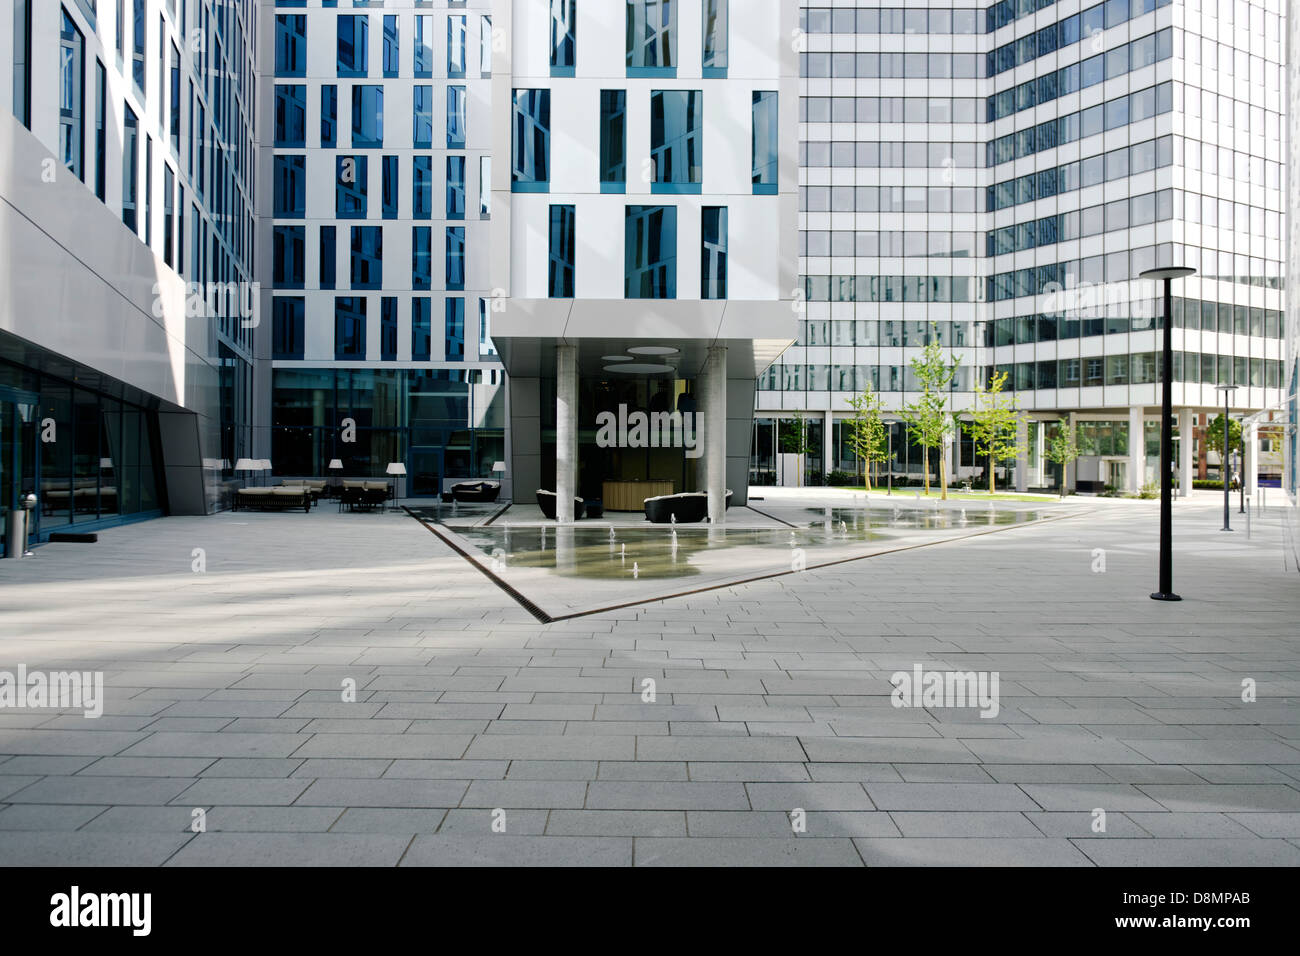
x=715 y=434
x=1022 y=459
x=828 y=437
x=1250 y=469
x=1137 y=452
x=1186 y=443
x=1070 y=472
x=566 y=431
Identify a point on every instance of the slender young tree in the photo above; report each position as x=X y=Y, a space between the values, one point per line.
x=1062 y=448
x=995 y=423
x=868 y=437
x=794 y=440
x=927 y=419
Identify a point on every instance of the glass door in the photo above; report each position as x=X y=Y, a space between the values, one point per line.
x=18 y=459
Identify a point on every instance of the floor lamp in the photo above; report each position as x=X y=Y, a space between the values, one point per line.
x=397 y=470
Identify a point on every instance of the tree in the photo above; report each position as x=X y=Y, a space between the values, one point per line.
x=927 y=419
x=1062 y=448
x=995 y=427
x=795 y=440
x=868 y=437
x=1214 y=440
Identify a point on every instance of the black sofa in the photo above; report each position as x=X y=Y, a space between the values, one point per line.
x=546 y=501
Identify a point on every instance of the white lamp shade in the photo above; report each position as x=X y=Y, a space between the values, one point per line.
x=105 y=463
x=247 y=464
x=335 y=465
x=264 y=464
x=499 y=466
x=396 y=468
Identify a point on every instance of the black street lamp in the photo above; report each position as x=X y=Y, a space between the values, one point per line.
x=1227 y=391
x=1166 y=592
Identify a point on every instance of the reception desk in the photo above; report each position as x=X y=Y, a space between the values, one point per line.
x=631 y=495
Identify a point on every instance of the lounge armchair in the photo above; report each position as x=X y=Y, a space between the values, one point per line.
x=363 y=495
x=546 y=501
x=315 y=487
x=479 y=491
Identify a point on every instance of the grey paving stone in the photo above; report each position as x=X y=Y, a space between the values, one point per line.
x=46 y=816
x=972 y=851
x=392 y=820
x=1225 y=798
x=102 y=790
x=808 y=796
x=1086 y=797
x=1190 y=852
x=482 y=820
x=297 y=849
x=963 y=823
x=633 y=823
x=1262 y=824
x=84 y=848
x=641 y=770
x=542 y=794
x=233 y=791
x=503 y=849
x=949 y=796
x=615 y=795
x=755 y=851
x=383 y=793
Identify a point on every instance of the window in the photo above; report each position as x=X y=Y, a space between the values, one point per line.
x=455 y=117
x=454 y=331
x=290 y=257
x=288 y=327
x=423 y=45
x=351 y=180
x=367 y=117
x=350 y=327
x=169 y=215
x=392 y=48
x=564 y=37
x=422 y=187
x=715 y=38
x=329 y=116
x=290 y=45
x=456 y=48
x=456 y=257
x=101 y=131
x=485 y=187
x=353 y=43
x=72 y=95
x=131 y=168
x=329 y=257
x=422 y=257
x=651 y=37
x=613 y=141
x=137 y=55
x=421 y=329
x=388 y=329
x=455 y=187
x=291 y=116
x=713 y=252
x=423 y=117
x=765 y=142
x=389 y=189
x=175 y=119
x=531 y=147
x=22 y=24
x=290 y=187
x=650 y=252
x=677 y=140
x=562 y=246
x=485 y=45
x=486 y=347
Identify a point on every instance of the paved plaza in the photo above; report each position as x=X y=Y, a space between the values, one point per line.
x=228 y=644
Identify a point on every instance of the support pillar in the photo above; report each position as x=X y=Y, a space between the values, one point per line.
x=828 y=446
x=566 y=431
x=1070 y=471
x=1137 y=449
x=1186 y=448
x=1250 y=467
x=1022 y=458
x=715 y=433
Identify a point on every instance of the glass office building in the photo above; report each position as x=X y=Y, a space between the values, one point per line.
x=128 y=298
x=379 y=340
x=995 y=176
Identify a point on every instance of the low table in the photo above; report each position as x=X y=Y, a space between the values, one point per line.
x=631 y=495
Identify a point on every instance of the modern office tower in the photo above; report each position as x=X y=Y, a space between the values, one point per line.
x=378 y=166
x=996 y=175
x=644 y=222
x=1290 y=446
x=127 y=305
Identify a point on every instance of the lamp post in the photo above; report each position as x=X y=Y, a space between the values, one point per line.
x=1242 y=453
x=1166 y=592
x=891 y=458
x=1227 y=391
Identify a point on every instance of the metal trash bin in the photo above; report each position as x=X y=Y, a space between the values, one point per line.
x=16 y=527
